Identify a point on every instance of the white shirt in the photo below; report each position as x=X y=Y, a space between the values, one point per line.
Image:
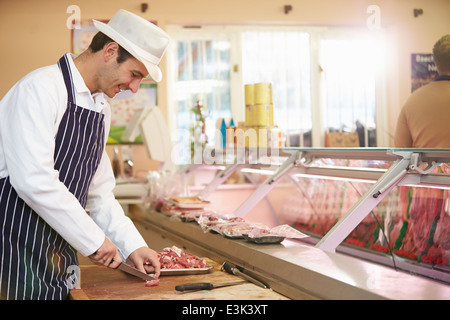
x=30 y=114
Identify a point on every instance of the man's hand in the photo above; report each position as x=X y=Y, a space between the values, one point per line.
x=107 y=255
x=146 y=260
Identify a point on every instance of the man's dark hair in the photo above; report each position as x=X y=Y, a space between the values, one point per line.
x=100 y=40
x=441 y=54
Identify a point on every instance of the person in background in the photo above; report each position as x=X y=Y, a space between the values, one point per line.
x=56 y=180
x=424 y=121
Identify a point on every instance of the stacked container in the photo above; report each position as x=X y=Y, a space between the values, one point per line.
x=259 y=129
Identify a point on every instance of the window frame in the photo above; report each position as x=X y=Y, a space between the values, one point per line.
x=232 y=33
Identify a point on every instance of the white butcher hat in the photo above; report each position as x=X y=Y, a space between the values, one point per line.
x=141 y=38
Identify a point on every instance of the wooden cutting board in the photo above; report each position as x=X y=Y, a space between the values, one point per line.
x=101 y=283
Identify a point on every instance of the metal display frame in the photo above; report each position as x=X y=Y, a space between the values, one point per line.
x=410 y=167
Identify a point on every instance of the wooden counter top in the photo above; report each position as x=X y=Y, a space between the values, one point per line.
x=101 y=283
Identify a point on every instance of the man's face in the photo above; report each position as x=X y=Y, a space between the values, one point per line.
x=127 y=75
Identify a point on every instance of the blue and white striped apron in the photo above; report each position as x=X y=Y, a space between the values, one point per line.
x=35 y=261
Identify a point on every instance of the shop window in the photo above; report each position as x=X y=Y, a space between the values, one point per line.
x=348 y=76
x=201 y=79
x=324 y=79
x=282 y=58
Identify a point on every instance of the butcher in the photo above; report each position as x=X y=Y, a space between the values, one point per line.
x=56 y=180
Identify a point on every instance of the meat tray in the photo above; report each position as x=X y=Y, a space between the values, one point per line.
x=188 y=204
x=265 y=239
x=189 y=271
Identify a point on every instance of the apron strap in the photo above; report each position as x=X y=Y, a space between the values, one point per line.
x=67 y=74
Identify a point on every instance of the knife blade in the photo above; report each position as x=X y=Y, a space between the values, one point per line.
x=135 y=272
x=206 y=285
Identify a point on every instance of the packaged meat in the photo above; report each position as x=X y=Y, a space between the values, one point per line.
x=171 y=210
x=184 y=214
x=210 y=223
x=188 y=202
x=233 y=229
x=264 y=235
x=194 y=214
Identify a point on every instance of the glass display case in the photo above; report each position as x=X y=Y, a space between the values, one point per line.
x=389 y=206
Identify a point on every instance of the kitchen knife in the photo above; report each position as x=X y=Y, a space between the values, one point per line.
x=135 y=272
x=232 y=269
x=206 y=285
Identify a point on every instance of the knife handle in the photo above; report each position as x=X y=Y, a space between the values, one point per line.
x=195 y=286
